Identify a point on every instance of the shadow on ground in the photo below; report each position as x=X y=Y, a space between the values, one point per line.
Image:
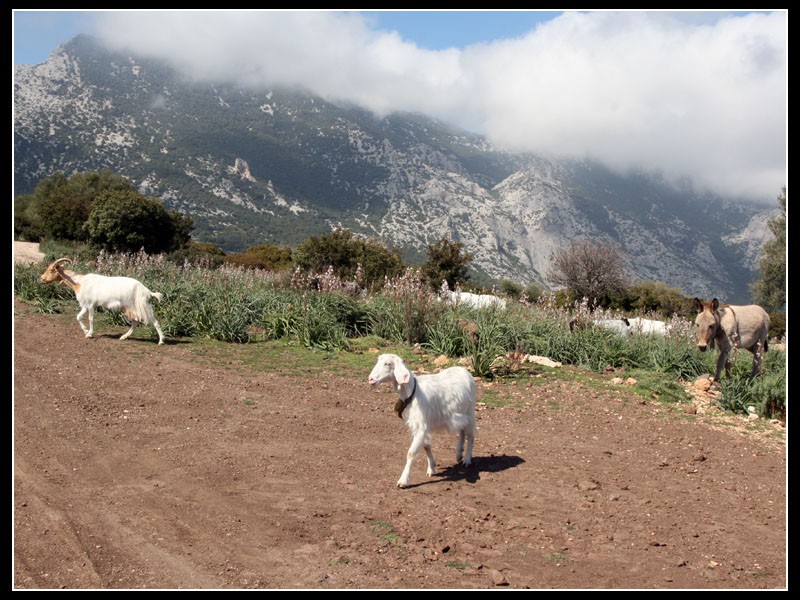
x=472 y=473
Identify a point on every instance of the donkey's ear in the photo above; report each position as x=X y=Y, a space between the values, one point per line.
x=714 y=304
x=697 y=304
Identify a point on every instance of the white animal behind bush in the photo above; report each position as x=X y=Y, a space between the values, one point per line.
x=471 y=300
x=621 y=326
x=443 y=401
x=649 y=326
x=114 y=293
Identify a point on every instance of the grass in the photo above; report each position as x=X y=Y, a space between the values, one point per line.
x=248 y=320
x=658 y=386
x=384 y=531
x=494 y=398
x=558 y=557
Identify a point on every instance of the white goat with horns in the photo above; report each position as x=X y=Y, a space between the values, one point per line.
x=115 y=293
x=437 y=402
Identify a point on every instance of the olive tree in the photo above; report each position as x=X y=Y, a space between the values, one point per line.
x=590 y=270
x=770 y=289
x=126 y=221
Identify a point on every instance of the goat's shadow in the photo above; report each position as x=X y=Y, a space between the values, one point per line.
x=472 y=473
x=142 y=340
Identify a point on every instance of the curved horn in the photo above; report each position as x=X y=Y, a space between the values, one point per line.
x=62 y=260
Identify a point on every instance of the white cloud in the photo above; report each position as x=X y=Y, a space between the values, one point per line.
x=686 y=97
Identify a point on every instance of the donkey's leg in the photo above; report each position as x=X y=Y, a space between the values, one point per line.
x=722 y=361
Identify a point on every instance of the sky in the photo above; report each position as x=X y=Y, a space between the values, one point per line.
x=697 y=96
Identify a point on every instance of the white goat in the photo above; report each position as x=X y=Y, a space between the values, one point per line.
x=115 y=293
x=475 y=300
x=649 y=326
x=621 y=326
x=437 y=402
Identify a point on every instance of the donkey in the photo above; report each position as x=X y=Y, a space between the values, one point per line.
x=731 y=327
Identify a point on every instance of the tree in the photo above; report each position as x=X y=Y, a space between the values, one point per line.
x=343 y=251
x=27 y=222
x=447 y=261
x=63 y=216
x=59 y=206
x=126 y=221
x=589 y=270
x=769 y=290
x=264 y=256
x=194 y=253
x=657 y=296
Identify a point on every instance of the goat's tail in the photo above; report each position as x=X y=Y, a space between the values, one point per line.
x=143 y=310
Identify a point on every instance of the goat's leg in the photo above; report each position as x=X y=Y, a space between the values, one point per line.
x=470 y=434
x=158 y=329
x=125 y=335
x=460 y=446
x=415 y=446
x=91 y=322
x=431 y=462
x=86 y=332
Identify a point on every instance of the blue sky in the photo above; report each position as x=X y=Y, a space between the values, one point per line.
x=38 y=32
x=701 y=95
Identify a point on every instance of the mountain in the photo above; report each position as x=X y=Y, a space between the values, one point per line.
x=277 y=166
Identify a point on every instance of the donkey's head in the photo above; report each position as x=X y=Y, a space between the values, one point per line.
x=706 y=323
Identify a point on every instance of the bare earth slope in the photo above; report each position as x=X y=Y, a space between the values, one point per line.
x=139 y=466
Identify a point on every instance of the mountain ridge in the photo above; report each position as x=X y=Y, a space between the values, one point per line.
x=277 y=166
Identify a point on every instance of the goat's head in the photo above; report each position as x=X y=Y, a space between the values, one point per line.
x=54 y=272
x=388 y=367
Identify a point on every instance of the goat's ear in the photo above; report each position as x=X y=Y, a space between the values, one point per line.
x=401 y=372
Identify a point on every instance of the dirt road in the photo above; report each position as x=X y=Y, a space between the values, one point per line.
x=27 y=252
x=175 y=467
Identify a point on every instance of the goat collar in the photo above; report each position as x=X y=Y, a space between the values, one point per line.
x=403 y=403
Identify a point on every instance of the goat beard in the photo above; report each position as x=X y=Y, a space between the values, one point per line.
x=399 y=406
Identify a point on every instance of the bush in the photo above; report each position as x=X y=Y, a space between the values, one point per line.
x=238 y=305
x=766 y=392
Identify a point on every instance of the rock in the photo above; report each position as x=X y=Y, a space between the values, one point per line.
x=703 y=383
x=541 y=360
x=441 y=361
x=497 y=577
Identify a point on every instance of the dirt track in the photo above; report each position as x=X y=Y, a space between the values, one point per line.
x=139 y=466
x=27 y=252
